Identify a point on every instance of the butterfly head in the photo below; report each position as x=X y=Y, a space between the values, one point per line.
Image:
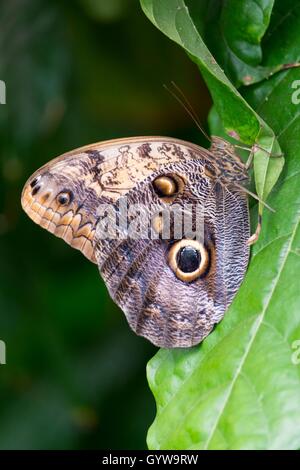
x=59 y=198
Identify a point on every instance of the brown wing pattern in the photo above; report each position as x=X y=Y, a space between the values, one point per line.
x=162 y=303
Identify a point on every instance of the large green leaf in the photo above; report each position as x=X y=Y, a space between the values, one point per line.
x=240 y=389
x=234 y=30
x=239 y=119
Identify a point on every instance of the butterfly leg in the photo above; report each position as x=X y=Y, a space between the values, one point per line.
x=250 y=158
x=254 y=149
x=270 y=154
x=254 y=237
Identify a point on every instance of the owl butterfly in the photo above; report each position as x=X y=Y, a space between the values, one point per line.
x=173 y=290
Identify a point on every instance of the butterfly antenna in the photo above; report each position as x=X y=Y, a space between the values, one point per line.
x=254 y=196
x=184 y=102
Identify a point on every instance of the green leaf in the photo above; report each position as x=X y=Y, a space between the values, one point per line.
x=234 y=30
x=240 y=389
x=173 y=18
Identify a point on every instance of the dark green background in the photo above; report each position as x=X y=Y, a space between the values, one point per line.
x=76 y=72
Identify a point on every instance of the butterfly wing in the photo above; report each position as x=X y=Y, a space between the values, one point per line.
x=173 y=289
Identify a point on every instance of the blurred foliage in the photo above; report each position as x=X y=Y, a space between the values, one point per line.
x=75 y=72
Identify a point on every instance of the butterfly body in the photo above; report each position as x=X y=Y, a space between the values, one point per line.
x=172 y=288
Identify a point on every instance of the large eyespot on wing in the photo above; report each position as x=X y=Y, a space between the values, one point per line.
x=158 y=305
x=189 y=259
